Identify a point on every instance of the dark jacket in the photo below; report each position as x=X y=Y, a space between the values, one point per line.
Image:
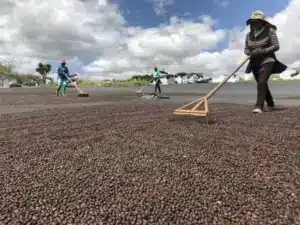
x=63 y=72
x=268 y=41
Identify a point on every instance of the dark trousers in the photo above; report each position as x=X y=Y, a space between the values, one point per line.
x=262 y=75
x=157 y=85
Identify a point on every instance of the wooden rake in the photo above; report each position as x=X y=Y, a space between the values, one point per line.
x=140 y=91
x=81 y=93
x=200 y=108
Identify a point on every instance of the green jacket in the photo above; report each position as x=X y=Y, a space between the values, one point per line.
x=156 y=74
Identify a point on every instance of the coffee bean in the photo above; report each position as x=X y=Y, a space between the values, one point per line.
x=128 y=164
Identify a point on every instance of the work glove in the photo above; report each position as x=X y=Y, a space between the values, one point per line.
x=257 y=52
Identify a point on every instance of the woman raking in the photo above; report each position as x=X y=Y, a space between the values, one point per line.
x=261 y=44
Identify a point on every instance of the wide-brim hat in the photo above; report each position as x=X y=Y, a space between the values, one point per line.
x=259 y=15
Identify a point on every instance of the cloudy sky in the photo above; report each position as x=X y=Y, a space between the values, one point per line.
x=120 y=38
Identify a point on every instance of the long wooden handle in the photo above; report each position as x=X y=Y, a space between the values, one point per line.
x=294 y=74
x=146 y=85
x=213 y=91
x=74 y=85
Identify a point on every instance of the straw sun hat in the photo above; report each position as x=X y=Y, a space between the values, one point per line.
x=259 y=15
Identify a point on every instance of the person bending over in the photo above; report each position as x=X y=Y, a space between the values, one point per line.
x=261 y=44
x=63 y=73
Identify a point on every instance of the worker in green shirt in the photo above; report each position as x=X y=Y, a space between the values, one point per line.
x=156 y=78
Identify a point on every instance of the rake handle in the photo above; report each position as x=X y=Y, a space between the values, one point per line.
x=146 y=85
x=74 y=85
x=213 y=91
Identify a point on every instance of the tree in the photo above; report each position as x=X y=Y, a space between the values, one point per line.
x=142 y=77
x=6 y=66
x=181 y=74
x=43 y=69
x=6 y=72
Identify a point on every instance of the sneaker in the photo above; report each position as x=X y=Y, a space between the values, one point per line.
x=257 y=110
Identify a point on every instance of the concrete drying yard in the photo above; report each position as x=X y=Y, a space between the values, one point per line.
x=115 y=159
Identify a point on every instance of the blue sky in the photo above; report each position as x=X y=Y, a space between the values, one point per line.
x=141 y=13
x=234 y=14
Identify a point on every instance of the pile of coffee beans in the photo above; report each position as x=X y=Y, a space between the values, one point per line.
x=129 y=164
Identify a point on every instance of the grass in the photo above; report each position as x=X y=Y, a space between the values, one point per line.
x=52 y=84
x=123 y=83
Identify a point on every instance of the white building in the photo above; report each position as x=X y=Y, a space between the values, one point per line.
x=192 y=79
x=223 y=77
x=164 y=81
x=6 y=82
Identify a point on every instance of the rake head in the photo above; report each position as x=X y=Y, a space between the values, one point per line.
x=147 y=96
x=83 y=95
x=197 y=110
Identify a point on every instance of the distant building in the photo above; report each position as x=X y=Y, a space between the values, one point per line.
x=6 y=80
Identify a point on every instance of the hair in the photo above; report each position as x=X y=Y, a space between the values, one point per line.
x=266 y=24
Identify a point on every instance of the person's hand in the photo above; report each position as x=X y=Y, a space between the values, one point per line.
x=257 y=52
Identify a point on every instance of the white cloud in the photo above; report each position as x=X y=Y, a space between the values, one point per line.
x=59 y=29
x=222 y=3
x=167 y=46
x=95 y=32
x=289 y=32
x=179 y=47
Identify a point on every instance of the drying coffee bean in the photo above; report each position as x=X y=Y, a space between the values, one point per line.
x=128 y=164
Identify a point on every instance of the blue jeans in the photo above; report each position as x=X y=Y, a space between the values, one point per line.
x=62 y=85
